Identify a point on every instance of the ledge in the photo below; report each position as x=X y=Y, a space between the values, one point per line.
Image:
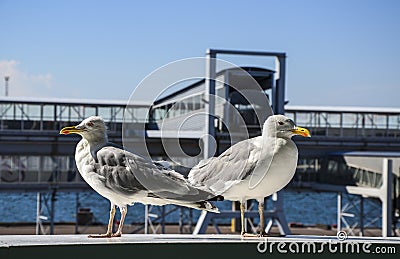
x=165 y=246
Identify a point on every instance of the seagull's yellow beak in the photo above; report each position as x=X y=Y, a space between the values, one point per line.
x=70 y=130
x=301 y=131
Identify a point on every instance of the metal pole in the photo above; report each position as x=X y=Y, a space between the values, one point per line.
x=38 y=210
x=387 y=198
x=339 y=212
x=209 y=106
x=395 y=204
x=146 y=219
x=279 y=86
x=361 y=215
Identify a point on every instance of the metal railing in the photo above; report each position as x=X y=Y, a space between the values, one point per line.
x=50 y=114
x=350 y=122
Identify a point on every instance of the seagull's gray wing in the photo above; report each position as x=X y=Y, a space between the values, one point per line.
x=129 y=173
x=232 y=166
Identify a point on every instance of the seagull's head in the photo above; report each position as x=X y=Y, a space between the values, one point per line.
x=92 y=129
x=282 y=126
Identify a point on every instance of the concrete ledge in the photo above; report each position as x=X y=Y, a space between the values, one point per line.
x=178 y=246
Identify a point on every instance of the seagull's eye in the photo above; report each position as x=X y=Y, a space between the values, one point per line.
x=90 y=124
x=280 y=123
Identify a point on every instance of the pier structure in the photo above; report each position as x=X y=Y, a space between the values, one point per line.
x=35 y=158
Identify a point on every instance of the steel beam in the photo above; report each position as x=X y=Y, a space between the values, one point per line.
x=209 y=102
x=386 y=197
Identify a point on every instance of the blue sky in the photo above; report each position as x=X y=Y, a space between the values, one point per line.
x=339 y=52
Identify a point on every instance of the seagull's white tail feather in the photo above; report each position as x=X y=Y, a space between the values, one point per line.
x=200 y=205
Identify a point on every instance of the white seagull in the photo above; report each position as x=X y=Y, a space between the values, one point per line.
x=124 y=177
x=253 y=168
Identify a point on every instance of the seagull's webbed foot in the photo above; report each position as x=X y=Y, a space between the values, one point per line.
x=117 y=234
x=245 y=234
x=106 y=235
x=262 y=234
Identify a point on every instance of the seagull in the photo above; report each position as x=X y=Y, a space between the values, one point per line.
x=253 y=168
x=124 y=177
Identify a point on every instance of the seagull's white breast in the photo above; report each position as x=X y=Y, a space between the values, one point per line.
x=87 y=168
x=269 y=175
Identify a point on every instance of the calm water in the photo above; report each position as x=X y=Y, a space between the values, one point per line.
x=302 y=207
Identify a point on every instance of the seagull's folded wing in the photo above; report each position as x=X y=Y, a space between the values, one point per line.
x=128 y=173
x=232 y=166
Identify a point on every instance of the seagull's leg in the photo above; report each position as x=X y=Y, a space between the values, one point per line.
x=123 y=210
x=242 y=208
x=111 y=220
x=262 y=220
x=242 y=217
x=110 y=224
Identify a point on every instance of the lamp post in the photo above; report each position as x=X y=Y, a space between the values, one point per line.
x=6 y=78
